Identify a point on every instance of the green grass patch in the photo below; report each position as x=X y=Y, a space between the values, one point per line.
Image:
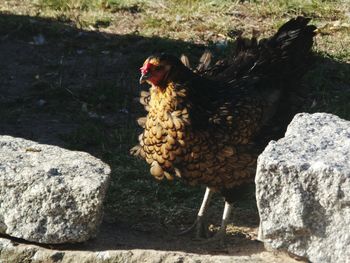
x=67 y=5
x=313 y=8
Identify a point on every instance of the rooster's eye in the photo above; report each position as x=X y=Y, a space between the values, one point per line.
x=157 y=67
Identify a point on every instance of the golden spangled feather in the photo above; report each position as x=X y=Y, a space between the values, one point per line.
x=167 y=164
x=170 y=140
x=144 y=93
x=156 y=170
x=184 y=59
x=177 y=123
x=135 y=150
x=159 y=132
x=172 y=133
x=145 y=98
x=169 y=124
x=168 y=176
x=204 y=61
x=142 y=121
x=228 y=151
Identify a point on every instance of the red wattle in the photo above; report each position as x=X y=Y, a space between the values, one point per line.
x=145 y=68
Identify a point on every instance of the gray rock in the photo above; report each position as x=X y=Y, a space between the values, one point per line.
x=49 y=194
x=303 y=189
x=12 y=252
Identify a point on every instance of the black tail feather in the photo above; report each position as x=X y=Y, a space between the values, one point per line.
x=293 y=40
x=287 y=52
x=281 y=56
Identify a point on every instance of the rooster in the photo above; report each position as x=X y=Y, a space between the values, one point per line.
x=202 y=126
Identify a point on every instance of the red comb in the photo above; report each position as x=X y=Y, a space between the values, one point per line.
x=145 y=68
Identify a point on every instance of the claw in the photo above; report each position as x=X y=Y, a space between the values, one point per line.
x=218 y=238
x=188 y=230
x=199 y=227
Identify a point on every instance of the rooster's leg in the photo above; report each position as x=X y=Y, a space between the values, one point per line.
x=199 y=225
x=221 y=234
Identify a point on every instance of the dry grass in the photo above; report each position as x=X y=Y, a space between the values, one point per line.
x=196 y=21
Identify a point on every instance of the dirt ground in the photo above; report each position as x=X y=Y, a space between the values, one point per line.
x=44 y=69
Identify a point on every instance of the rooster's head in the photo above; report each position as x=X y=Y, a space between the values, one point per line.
x=158 y=70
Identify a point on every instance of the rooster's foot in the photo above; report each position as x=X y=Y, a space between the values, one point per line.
x=199 y=227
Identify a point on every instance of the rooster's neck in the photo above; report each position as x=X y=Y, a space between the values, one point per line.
x=167 y=98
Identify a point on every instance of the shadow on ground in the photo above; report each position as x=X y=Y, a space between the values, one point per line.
x=112 y=237
x=49 y=68
x=57 y=83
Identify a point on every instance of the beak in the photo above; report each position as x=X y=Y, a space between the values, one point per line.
x=144 y=77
